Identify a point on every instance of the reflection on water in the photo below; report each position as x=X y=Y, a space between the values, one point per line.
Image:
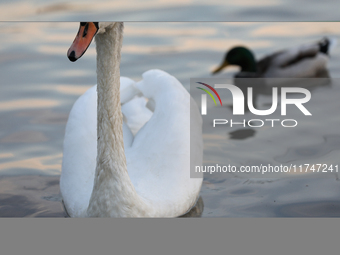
x=53 y=8
x=39 y=86
x=285 y=197
x=30 y=196
x=196 y=210
x=26 y=103
x=24 y=137
x=175 y=10
x=242 y=134
x=311 y=209
x=330 y=143
x=47 y=164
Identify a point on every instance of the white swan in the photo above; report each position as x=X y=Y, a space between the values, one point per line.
x=146 y=175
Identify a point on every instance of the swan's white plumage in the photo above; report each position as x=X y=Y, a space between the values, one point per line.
x=158 y=156
x=136 y=113
x=80 y=150
x=128 y=89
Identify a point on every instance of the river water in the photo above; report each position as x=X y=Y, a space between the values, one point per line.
x=175 y=10
x=39 y=86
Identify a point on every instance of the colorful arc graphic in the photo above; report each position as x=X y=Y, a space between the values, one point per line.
x=210 y=93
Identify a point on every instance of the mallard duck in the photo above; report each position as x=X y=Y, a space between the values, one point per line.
x=304 y=61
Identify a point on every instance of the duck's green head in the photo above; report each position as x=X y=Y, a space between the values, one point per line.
x=239 y=56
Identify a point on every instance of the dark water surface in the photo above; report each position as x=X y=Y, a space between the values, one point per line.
x=39 y=86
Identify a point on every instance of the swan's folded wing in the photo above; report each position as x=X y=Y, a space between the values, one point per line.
x=159 y=158
x=128 y=90
x=136 y=113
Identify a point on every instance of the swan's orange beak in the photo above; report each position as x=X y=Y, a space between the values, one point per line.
x=86 y=32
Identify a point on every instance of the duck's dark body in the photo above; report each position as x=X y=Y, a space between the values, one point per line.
x=299 y=62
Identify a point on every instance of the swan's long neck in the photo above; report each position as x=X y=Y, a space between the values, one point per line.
x=112 y=184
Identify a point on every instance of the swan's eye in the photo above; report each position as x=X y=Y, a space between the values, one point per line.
x=86 y=29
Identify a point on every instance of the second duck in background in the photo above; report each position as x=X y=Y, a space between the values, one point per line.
x=304 y=61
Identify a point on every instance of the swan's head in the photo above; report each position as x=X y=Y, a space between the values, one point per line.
x=86 y=32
